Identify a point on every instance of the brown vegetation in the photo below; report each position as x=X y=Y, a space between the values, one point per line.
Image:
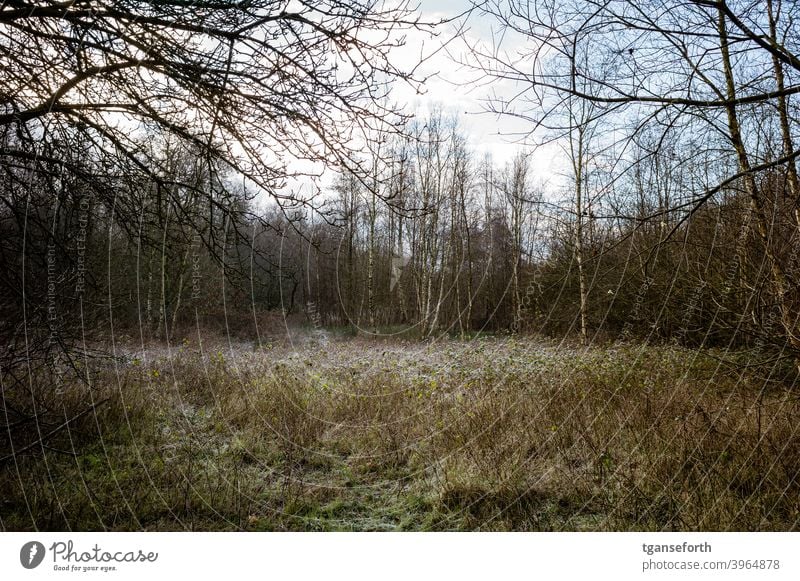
x=354 y=434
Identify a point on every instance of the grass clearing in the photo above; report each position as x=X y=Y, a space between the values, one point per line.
x=352 y=434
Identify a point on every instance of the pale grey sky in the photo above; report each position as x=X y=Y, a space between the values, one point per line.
x=452 y=86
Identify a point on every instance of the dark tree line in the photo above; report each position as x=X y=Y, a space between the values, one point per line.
x=491 y=247
x=680 y=111
x=137 y=139
x=138 y=161
x=131 y=131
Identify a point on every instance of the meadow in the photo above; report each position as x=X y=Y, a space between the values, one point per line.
x=352 y=433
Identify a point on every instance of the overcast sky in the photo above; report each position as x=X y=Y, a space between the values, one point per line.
x=453 y=86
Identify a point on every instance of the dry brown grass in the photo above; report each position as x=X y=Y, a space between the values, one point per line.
x=498 y=434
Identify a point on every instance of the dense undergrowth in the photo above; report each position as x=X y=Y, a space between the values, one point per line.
x=351 y=434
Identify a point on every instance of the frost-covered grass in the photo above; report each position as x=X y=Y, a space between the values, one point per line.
x=339 y=433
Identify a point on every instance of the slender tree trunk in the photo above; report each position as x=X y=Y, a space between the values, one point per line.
x=788 y=319
x=180 y=290
x=351 y=273
x=792 y=178
x=470 y=266
x=578 y=167
x=371 y=263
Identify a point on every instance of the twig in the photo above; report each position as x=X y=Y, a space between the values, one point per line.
x=52 y=432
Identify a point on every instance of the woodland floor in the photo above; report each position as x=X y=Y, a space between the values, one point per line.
x=335 y=433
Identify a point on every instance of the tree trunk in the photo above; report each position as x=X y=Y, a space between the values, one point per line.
x=788 y=319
